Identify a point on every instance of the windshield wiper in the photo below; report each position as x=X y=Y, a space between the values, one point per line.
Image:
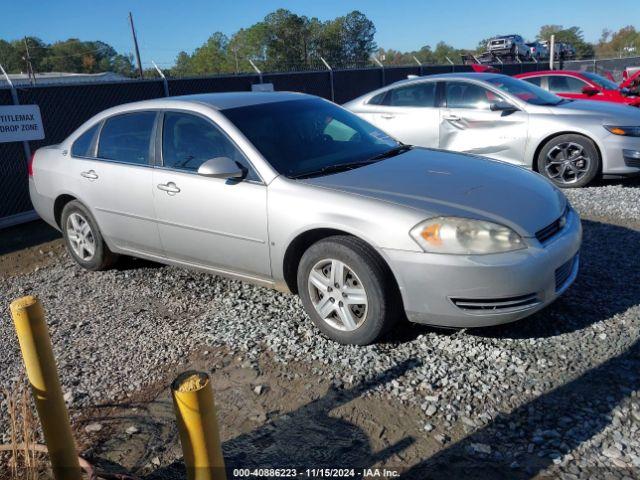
x=338 y=167
x=393 y=152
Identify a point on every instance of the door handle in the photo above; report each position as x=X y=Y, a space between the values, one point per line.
x=91 y=175
x=387 y=116
x=171 y=188
x=452 y=118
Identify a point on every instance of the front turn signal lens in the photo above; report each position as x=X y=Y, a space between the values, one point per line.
x=624 y=131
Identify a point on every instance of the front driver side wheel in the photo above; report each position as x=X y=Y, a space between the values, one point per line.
x=569 y=161
x=348 y=290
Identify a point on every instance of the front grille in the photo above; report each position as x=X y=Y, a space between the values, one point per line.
x=495 y=305
x=547 y=233
x=564 y=272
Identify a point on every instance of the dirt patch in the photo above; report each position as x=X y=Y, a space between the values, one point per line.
x=25 y=248
x=270 y=415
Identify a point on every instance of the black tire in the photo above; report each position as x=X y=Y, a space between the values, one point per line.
x=102 y=258
x=384 y=306
x=591 y=155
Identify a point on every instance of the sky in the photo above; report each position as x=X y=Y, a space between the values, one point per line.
x=165 y=27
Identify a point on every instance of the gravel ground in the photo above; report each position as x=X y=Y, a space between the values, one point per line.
x=556 y=394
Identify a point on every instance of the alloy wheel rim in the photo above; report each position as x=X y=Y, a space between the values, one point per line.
x=80 y=236
x=338 y=295
x=567 y=163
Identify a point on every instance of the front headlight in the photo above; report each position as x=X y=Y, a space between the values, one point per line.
x=464 y=236
x=624 y=131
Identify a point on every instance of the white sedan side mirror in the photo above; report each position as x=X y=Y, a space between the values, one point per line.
x=220 y=167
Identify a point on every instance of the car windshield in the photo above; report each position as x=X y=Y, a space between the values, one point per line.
x=601 y=81
x=525 y=91
x=310 y=136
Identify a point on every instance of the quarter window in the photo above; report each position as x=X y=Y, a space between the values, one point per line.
x=125 y=138
x=469 y=95
x=537 y=81
x=188 y=141
x=565 y=84
x=82 y=146
x=378 y=99
x=417 y=95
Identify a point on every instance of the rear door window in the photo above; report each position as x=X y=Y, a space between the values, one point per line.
x=565 y=84
x=417 y=95
x=126 y=138
x=534 y=80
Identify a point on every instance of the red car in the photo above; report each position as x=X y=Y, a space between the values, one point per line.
x=580 y=85
x=631 y=80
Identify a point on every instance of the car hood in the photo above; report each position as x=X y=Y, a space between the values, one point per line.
x=627 y=83
x=444 y=183
x=590 y=107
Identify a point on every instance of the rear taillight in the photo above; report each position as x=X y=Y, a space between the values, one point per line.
x=30 y=165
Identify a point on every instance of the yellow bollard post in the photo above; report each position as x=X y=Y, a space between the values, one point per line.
x=198 y=426
x=40 y=365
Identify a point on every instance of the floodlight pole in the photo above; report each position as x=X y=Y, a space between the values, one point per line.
x=552 y=51
x=419 y=63
x=333 y=94
x=164 y=79
x=135 y=44
x=256 y=69
x=379 y=63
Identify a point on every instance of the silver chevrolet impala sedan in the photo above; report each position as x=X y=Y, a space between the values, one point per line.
x=571 y=142
x=293 y=192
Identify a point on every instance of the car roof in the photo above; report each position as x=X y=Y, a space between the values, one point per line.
x=450 y=76
x=551 y=72
x=220 y=101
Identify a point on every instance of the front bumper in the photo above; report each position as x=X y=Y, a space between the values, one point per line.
x=621 y=156
x=482 y=290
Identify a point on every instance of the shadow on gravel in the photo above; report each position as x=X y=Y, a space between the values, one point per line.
x=125 y=263
x=308 y=437
x=563 y=419
x=26 y=235
x=633 y=182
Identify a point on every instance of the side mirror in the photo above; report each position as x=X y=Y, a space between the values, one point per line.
x=591 y=91
x=502 y=106
x=220 y=167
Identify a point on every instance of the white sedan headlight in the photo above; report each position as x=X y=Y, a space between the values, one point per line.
x=464 y=236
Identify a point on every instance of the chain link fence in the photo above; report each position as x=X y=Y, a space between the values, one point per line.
x=66 y=106
x=613 y=66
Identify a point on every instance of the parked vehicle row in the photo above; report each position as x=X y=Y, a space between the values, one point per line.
x=294 y=192
x=568 y=141
x=514 y=47
x=581 y=85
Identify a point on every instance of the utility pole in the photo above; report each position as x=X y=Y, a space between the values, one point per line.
x=30 y=72
x=135 y=44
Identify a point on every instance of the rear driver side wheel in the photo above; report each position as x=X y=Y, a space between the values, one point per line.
x=83 y=238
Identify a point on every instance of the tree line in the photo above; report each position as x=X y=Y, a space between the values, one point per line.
x=72 y=55
x=284 y=41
